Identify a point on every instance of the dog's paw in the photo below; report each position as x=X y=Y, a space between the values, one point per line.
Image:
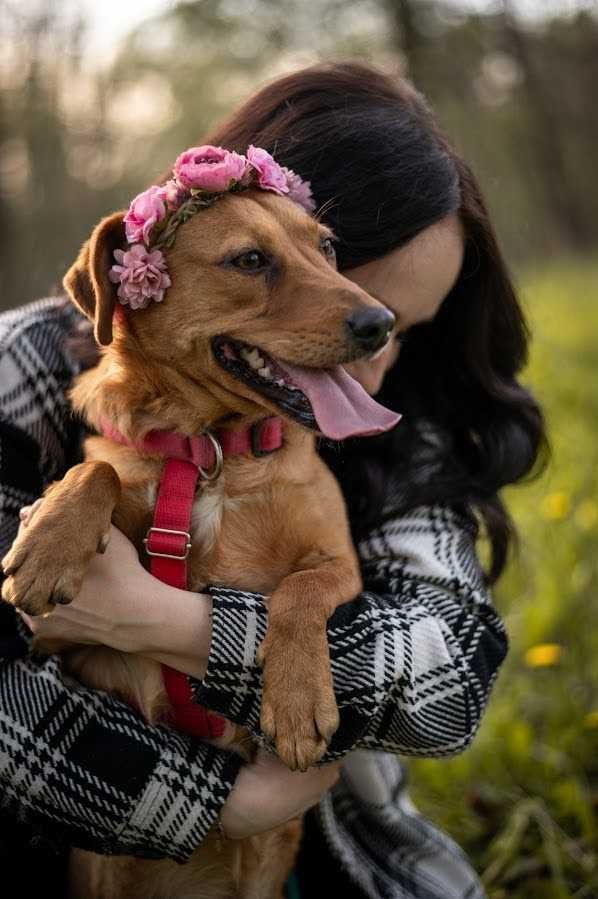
x=299 y=712
x=43 y=569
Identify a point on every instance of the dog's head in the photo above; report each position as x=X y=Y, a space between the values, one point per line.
x=257 y=313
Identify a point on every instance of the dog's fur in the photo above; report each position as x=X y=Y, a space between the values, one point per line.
x=274 y=525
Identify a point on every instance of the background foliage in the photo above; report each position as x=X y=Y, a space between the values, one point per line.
x=523 y=799
x=79 y=137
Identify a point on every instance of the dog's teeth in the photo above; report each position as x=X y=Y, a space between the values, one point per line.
x=264 y=372
x=252 y=356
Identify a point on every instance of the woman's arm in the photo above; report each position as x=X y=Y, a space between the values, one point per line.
x=413 y=658
x=99 y=777
x=83 y=768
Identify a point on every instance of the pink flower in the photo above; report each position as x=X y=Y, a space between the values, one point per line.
x=146 y=209
x=142 y=276
x=209 y=168
x=270 y=175
x=299 y=190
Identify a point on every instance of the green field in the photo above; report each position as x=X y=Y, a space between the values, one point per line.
x=523 y=800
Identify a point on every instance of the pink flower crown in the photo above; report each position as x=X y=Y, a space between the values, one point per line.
x=200 y=176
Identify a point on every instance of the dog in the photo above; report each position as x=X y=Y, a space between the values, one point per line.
x=256 y=324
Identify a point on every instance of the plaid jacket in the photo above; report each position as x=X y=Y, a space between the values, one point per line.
x=413 y=660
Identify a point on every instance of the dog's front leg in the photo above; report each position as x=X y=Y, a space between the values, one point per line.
x=47 y=562
x=299 y=711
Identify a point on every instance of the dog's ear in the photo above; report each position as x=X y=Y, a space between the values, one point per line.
x=87 y=281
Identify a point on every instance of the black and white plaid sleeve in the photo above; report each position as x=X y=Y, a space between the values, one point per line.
x=82 y=769
x=413 y=658
x=76 y=765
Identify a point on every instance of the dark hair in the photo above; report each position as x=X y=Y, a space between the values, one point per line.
x=383 y=171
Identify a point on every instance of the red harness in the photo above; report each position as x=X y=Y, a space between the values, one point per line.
x=190 y=462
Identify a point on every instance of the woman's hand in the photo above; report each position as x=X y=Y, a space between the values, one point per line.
x=121 y=605
x=267 y=794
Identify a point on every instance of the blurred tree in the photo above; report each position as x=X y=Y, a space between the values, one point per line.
x=48 y=198
x=200 y=57
x=520 y=107
x=546 y=133
x=407 y=35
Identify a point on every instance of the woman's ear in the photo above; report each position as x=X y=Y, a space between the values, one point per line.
x=87 y=281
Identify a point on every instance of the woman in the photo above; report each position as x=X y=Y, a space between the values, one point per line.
x=415 y=656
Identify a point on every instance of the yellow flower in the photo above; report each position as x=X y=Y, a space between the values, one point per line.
x=591 y=719
x=586 y=514
x=543 y=655
x=556 y=505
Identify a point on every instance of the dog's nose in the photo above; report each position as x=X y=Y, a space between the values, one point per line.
x=371 y=327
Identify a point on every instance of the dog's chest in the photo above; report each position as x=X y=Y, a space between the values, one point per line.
x=206 y=517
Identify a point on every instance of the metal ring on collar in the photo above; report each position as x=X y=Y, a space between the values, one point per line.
x=218 y=465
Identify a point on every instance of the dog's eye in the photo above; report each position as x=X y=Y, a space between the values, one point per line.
x=251 y=261
x=327 y=247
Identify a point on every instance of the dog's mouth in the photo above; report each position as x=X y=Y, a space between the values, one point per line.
x=326 y=400
x=254 y=367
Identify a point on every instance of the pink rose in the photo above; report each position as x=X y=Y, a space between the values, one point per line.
x=142 y=276
x=270 y=175
x=146 y=209
x=209 y=168
x=299 y=190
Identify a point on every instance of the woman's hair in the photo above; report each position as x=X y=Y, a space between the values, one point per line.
x=382 y=171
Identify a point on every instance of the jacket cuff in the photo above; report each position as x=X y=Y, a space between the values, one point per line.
x=232 y=684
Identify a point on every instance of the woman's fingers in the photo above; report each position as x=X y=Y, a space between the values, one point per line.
x=267 y=794
x=29 y=621
x=27 y=512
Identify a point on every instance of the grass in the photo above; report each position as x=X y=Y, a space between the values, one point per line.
x=523 y=800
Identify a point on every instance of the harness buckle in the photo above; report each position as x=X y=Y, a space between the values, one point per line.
x=160 y=555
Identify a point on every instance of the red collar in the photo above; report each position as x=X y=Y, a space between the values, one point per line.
x=190 y=462
x=260 y=439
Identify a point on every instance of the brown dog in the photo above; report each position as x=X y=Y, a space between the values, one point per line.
x=253 y=271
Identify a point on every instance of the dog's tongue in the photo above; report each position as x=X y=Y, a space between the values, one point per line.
x=341 y=406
